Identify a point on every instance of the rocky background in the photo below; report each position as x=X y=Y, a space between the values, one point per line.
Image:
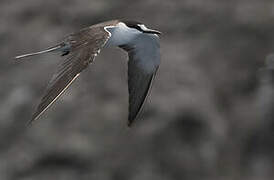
x=209 y=115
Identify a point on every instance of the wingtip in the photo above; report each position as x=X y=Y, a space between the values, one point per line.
x=21 y=56
x=32 y=120
x=30 y=123
x=18 y=57
x=34 y=117
x=130 y=121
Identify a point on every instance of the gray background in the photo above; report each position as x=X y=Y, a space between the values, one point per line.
x=208 y=117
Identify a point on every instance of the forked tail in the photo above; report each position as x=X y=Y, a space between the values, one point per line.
x=39 y=52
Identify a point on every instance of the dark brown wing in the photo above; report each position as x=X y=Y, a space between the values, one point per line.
x=83 y=47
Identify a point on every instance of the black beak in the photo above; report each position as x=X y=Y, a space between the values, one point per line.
x=151 y=31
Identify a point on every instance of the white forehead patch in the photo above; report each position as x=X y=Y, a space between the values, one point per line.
x=121 y=24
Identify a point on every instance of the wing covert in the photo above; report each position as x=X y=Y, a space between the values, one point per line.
x=83 y=47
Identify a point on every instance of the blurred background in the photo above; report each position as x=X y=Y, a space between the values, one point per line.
x=209 y=115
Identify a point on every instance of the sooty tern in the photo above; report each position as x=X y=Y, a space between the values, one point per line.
x=80 y=49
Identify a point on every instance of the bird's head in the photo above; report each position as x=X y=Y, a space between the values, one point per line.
x=140 y=27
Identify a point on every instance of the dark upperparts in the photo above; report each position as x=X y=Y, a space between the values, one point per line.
x=133 y=24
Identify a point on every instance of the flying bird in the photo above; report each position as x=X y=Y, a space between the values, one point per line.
x=79 y=50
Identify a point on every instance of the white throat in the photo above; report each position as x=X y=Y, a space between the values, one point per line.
x=121 y=34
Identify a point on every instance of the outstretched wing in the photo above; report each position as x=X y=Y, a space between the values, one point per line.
x=82 y=49
x=144 y=60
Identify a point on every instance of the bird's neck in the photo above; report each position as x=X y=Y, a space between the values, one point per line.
x=121 y=35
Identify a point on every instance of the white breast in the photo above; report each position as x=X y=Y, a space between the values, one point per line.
x=121 y=34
